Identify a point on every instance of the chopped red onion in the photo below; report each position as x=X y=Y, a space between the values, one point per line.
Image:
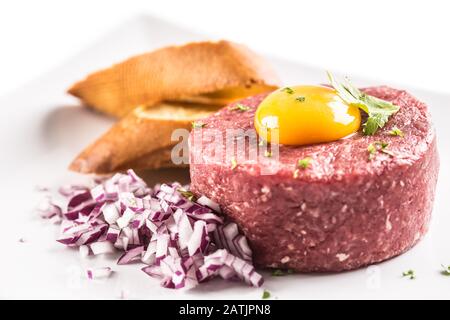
x=71 y=190
x=130 y=255
x=98 y=273
x=111 y=213
x=153 y=271
x=208 y=203
x=125 y=219
x=112 y=234
x=84 y=251
x=199 y=239
x=102 y=247
x=181 y=241
x=47 y=209
x=228 y=237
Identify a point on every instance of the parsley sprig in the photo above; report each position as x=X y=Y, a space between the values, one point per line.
x=377 y=109
x=410 y=274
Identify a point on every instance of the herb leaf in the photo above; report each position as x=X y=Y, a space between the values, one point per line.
x=187 y=194
x=377 y=109
x=446 y=270
x=240 y=107
x=410 y=273
x=288 y=90
x=304 y=163
x=278 y=273
x=396 y=132
x=300 y=99
x=281 y=273
x=266 y=294
x=372 y=150
x=196 y=125
x=376 y=146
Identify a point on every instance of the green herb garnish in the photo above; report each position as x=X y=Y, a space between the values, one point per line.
x=446 y=270
x=376 y=146
x=300 y=99
x=266 y=294
x=372 y=150
x=240 y=107
x=278 y=273
x=196 y=125
x=384 y=148
x=410 y=273
x=377 y=109
x=288 y=90
x=234 y=163
x=281 y=273
x=304 y=163
x=396 y=132
x=187 y=194
x=383 y=144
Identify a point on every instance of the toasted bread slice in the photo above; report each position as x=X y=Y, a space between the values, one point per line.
x=157 y=159
x=141 y=140
x=202 y=72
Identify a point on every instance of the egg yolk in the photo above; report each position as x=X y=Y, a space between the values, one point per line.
x=305 y=115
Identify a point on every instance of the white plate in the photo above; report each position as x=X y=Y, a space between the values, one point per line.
x=42 y=129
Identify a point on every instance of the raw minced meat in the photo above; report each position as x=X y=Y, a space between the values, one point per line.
x=343 y=211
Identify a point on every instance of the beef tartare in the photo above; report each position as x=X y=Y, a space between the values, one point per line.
x=352 y=204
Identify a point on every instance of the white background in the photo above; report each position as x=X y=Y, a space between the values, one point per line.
x=401 y=41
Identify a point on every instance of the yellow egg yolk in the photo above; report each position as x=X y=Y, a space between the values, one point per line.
x=305 y=115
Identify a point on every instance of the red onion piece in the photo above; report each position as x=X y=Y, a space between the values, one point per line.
x=199 y=239
x=125 y=219
x=209 y=203
x=101 y=247
x=47 y=209
x=84 y=251
x=130 y=255
x=98 y=273
x=78 y=199
x=111 y=213
x=182 y=242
